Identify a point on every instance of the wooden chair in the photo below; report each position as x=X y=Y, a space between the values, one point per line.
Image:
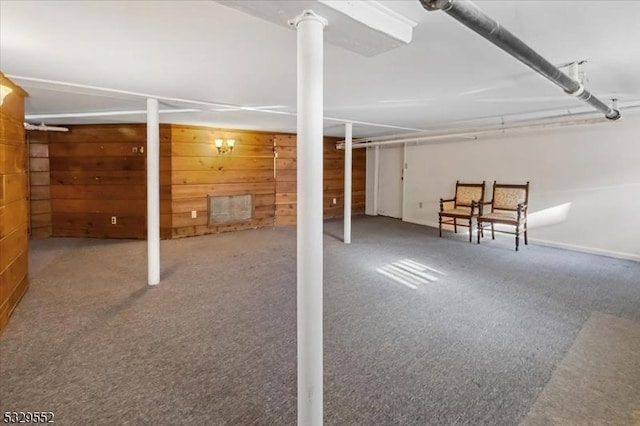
x=508 y=207
x=465 y=206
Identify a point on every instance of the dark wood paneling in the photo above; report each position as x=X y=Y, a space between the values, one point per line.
x=198 y=171
x=39 y=188
x=14 y=280
x=99 y=171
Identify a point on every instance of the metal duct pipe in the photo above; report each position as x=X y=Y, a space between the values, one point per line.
x=471 y=16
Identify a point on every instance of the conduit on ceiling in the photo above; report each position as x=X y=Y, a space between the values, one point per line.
x=469 y=133
x=472 y=17
x=44 y=128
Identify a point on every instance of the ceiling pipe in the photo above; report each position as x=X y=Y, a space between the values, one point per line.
x=465 y=135
x=471 y=16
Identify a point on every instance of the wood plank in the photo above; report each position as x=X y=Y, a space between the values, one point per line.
x=286 y=198
x=7 y=308
x=38 y=150
x=224 y=176
x=99 y=149
x=221 y=163
x=103 y=133
x=40 y=206
x=13 y=201
x=206 y=135
x=92 y=177
x=204 y=229
x=287 y=152
x=286 y=140
x=39 y=178
x=12 y=187
x=12 y=159
x=40 y=193
x=99 y=192
x=286 y=164
x=41 y=220
x=37 y=137
x=285 y=220
x=41 y=232
x=11 y=245
x=195 y=191
x=98 y=225
x=11 y=128
x=13 y=216
x=97 y=163
x=287 y=176
x=61 y=208
x=39 y=164
x=208 y=150
x=11 y=277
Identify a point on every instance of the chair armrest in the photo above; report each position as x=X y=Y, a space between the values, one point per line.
x=522 y=208
x=442 y=201
x=483 y=203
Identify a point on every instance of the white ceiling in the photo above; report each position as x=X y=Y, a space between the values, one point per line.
x=205 y=50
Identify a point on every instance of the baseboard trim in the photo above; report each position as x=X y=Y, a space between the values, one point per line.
x=555 y=244
x=583 y=249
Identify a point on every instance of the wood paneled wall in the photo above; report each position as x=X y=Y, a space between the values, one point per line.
x=199 y=171
x=286 y=180
x=14 y=215
x=333 y=180
x=39 y=188
x=98 y=172
x=95 y=175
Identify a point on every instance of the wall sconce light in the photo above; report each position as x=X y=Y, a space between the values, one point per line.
x=225 y=146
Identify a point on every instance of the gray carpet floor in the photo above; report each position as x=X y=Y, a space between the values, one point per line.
x=419 y=330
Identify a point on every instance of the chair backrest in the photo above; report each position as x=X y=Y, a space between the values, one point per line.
x=468 y=192
x=508 y=196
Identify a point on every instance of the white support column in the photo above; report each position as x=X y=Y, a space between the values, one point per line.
x=348 y=150
x=310 y=29
x=376 y=178
x=153 y=191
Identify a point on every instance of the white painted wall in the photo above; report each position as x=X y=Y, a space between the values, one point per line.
x=390 y=181
x=585 y=181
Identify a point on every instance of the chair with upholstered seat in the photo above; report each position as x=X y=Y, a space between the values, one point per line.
x=508 y=207
x=464 y=206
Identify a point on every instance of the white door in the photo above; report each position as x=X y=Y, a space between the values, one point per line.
x=390 y=181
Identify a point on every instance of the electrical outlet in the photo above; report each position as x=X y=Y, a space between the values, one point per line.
x=114 y=220
x=335 y=201
x=194 y=214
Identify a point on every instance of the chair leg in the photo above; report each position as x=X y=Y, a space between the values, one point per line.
x=493 y=233
x=470 y=229
x=440 y=225
x=479 y=230
x=526 y=240
x=455 y=225
x=517 y=237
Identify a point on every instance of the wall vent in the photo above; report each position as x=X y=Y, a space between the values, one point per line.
x=230 y=209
